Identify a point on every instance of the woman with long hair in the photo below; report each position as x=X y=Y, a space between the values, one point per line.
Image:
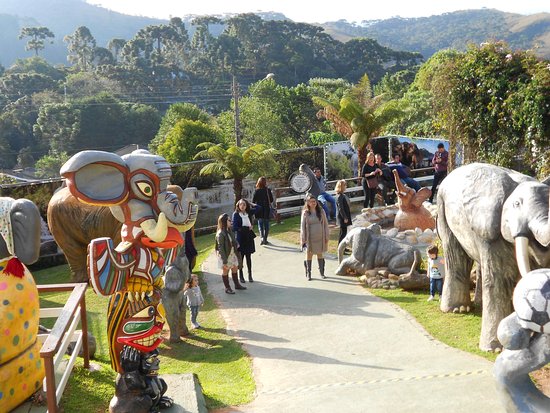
x=343 y=213
x=314 y=234
x=242 y=227
x=264 y=198
x=228 y=254
x=370 y=173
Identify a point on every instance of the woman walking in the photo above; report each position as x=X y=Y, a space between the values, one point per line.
x=314 y=234
x=264 y=198
x=343 y=214
x=370 y=173
x=242 y=227
x=228 y=255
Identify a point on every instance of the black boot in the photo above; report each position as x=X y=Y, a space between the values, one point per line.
x=307 y=265
x=236 y=281
x=321 y=262
x=241 y=276
x=250 y=279
x=228 y=289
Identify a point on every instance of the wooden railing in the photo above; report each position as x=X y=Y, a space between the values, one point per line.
x=288 y=205
x=62 y=334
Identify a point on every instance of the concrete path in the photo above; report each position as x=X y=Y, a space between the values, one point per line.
x=330 y=346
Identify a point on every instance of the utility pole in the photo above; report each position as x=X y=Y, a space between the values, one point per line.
x=235 y=92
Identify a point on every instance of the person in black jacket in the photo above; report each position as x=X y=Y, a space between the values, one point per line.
x=343 y=213
x=264 y=198
x=242 y=226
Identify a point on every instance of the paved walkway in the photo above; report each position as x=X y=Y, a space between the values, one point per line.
x=330 y=346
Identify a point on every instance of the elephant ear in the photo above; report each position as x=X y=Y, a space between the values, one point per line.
x=421 y=196
x=97 y=178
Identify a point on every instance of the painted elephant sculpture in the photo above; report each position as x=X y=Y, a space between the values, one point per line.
x=64 y=209
x=370 y=249
x=411 y=213
x=489 y=214
x=525 y=350
x=21 y=368
x=134 y=187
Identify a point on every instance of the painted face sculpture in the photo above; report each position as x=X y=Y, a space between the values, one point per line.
x=135 y=188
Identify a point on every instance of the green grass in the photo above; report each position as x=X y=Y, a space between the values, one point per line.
x=222 y=366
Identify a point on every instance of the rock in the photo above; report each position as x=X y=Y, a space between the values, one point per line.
x=418 y=231
x=363 y=279
x=426 y=239
x=371 y=273
x=429 y=231
x=415 y=281
x=400 y=236
x=411 y=239
x=393 y=277
x=409 y=232
x=392 y=232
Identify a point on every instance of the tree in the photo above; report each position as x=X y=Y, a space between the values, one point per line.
x=115 y=47
x=58 y=127
x=359 y=116
x=181 y=141
x=37 y=35
x=49 y=165
x=81 y=45
x=236 y=162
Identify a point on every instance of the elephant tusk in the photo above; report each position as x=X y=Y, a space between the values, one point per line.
x=522 y=255
x=156 y=230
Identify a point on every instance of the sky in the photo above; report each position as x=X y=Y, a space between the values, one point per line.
x=318 y=11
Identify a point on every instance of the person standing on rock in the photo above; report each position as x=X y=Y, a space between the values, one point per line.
x=314 y=234
x=227 y=253
x=343 y=213
x=370 y=173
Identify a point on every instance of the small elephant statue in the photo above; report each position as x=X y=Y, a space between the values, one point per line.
x=526 y=344
x=411 y=213
x=21 y=368
x=370 y=249
x=175 y=277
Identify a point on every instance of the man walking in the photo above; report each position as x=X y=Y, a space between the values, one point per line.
x=439 y=162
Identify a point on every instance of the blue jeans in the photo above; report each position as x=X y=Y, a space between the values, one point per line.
x=263 y=227
x=194 y=312
x=411 y=183
x=436 y=285
x=323 y=198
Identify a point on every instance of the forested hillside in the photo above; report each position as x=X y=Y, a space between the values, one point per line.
x=454 y=30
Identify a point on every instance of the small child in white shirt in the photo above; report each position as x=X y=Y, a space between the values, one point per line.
x=194 y=297
x=436 y=271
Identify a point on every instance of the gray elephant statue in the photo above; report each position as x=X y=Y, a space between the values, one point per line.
x=175 y=277
x=370 y=249
x=20 y=365
x=490 y=215
x=526 y=346
x=315 y=189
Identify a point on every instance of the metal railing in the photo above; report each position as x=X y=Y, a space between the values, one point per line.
x=62 y=334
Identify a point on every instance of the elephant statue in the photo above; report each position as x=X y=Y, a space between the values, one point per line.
x=526 y=349
x=175 y=277
x=411 y=213
x=21 y=368
x=64 y=210
x=490 y=215
x=370 y=249
x=135 y=188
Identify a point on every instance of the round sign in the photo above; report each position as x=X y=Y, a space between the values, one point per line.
x=300 y=182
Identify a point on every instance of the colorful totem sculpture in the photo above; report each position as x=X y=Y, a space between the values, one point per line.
x=134 y=187
x=21 y=368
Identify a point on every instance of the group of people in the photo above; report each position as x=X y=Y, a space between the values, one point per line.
x=235 y=236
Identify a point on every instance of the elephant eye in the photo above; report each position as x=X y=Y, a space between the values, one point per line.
x=145 y=188
x=516 y=204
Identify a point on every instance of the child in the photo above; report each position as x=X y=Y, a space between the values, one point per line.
x=436 y=271
x=193 y=294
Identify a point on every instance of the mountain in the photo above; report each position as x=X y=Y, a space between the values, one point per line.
x=62 y=17
x=451 y=30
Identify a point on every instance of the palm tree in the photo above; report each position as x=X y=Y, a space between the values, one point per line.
x=359 y=116
x=236 y=162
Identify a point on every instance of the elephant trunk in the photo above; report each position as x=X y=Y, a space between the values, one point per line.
x=522 y=255
x=401 y=190
x=341 y=248
x=180 y=214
